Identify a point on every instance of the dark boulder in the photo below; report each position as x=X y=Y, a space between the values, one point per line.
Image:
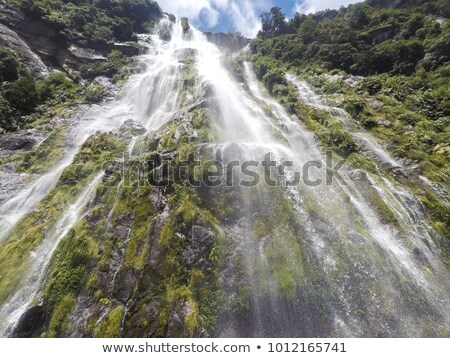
x=31 y=323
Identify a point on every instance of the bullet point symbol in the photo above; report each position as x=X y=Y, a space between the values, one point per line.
x=259 y=347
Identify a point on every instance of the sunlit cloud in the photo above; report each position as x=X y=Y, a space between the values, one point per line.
x=309 y=6
x=240 y=15
x=243 y=15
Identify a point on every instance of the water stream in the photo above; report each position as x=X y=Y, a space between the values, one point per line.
x=345 y=270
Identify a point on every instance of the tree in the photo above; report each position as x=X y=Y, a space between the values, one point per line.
x=297 y=20
x=358 y=16
x=278 y=21
x=266 y=21
x=273 y=22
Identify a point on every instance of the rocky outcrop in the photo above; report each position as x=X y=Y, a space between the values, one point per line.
x=185 y=25
x=380 y=34
x=31 y=323
x=40 y=37
x=128 y=48
x=13 y=41
x=40 y=45
x=230 y=42
x=86 y=55
x=16 y=142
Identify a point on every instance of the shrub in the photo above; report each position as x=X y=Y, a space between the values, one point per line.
x=9 y=66
x=9 y=116
x=437 y=52
x=95 y=93
x=22 y=94
x=272 y=78
x=372 y=86
x=56 y=83
x=354 y=105
x=342 y=142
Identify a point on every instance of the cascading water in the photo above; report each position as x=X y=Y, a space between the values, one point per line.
x=326 y=263
x=104 y=118
x=308 y=96
x=31 y=283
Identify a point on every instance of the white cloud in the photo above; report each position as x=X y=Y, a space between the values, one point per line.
x=243 y=14
x=308 y=6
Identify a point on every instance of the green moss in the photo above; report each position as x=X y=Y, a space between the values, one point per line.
x=182 y=287
x=186 y=213
x=314 y=208
x=382 y=208
x=260 y=229
x=356 y=160
x=285 y=258
x=91 y=325
x=439 y=212
x=27 y=235
x=59 y=322
x=105 y=301
x=331 y=132
x=143 y=214
x=167 y=233
x=192 y=320
x=111 y=325
x=69 y=264
x=46 y=154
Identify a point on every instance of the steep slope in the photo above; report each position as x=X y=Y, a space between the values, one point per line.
x=133 y=217
x=83 y=40
x=387 y=66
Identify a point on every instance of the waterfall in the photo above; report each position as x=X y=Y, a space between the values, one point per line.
x=13 y=309
x=327 y=263
x=309 y=97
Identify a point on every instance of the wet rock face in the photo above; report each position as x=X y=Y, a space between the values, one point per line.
x=40 y=37
x=31 y=323
x=128 y=48
x=16 y=142
x=131 y=129
x=199 y=247
x=185 y=25
x=85 y=55
x=228 y=42
x=12 y=40
x=35 y=41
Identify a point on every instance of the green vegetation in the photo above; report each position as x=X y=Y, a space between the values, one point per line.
x=71 y=258
x=46 y=154
x=403 y=99
x=18 y=95
x=9 y=66
x=110 y=326
x=59 y=322
x=153 y=261
x=56 y=88
x=97 y=23
x=117 y=67
x=362 y=40
x=359 y=39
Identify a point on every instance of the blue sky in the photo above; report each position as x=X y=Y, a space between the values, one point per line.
x=241 y=15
